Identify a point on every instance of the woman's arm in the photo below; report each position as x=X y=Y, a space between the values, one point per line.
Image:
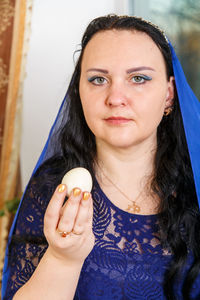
x=53 y=279
x=57 y=274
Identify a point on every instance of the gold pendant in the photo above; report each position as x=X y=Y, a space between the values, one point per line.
x=133 y=208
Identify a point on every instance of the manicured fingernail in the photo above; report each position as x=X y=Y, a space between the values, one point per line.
x=61 y=188
x=86 y=195
x=76 y=192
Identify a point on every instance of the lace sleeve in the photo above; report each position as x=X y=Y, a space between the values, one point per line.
x=28 y=243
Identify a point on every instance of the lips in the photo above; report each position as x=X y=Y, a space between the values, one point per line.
x=117 y=120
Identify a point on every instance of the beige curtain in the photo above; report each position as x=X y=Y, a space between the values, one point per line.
x=15 y=19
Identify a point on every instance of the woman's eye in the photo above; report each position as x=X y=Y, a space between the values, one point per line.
x=97 y=80
x=140 y=78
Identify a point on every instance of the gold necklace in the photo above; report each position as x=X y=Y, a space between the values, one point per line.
x=132 y=208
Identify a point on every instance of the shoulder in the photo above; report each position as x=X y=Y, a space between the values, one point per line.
x=39 y=191
x=49 y=174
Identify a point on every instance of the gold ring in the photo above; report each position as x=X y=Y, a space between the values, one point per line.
x=63 y=233
x=76 y=233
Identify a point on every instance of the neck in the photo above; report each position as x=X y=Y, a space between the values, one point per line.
x=132 y=168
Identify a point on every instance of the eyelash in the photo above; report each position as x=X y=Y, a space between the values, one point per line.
x=93 y=78
x=143 y=77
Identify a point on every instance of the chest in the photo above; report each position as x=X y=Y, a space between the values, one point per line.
x=127 y=261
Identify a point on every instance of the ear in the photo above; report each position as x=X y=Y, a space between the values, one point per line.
x=170 y=93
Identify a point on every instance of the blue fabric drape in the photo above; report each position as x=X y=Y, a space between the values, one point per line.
x=190 y=109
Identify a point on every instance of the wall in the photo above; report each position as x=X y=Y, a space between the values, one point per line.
x=57 y=27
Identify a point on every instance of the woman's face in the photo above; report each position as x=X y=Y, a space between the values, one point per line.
x=124 y=88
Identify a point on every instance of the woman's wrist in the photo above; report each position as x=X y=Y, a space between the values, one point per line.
x=55 y=258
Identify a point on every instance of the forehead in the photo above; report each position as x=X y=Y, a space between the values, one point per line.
x=122 y=47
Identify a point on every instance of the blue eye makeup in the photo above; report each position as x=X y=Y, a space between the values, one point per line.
x=97 y=80
x=140 y=78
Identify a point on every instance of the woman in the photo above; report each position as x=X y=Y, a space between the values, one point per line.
x=136 y=236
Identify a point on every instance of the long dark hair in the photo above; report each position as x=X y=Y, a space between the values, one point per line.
x=173 y=179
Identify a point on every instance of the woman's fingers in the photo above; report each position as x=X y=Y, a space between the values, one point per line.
x=69 y=211
x=83 y=214
x=74 y=216
x=53 y=210
x=68 y=227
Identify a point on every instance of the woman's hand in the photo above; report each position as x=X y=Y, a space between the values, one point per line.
x=68 y=227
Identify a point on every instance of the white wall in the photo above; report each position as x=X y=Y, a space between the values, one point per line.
x=57 y=27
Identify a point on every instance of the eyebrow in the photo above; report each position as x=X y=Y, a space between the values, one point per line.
x=97 y=70
x=142 y=68
x=139 y=69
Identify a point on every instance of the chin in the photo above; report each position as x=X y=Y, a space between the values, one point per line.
x=127 y=143
x=122 y=144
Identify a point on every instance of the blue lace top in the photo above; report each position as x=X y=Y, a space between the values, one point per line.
x=127 y=261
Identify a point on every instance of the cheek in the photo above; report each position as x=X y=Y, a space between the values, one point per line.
x=154 y=118
x=89 y=112
x=150 y=111
x=91 y=103
x=85 y=100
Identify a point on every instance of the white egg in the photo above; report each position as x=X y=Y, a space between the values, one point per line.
x=79 y=178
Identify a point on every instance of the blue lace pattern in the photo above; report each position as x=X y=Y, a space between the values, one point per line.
x=127 y=261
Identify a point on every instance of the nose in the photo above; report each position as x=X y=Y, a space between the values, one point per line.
x=117 y=95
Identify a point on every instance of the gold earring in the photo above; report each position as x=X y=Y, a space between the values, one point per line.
x=167 y=111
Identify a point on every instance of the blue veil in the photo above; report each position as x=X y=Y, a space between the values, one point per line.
x=190 y=109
